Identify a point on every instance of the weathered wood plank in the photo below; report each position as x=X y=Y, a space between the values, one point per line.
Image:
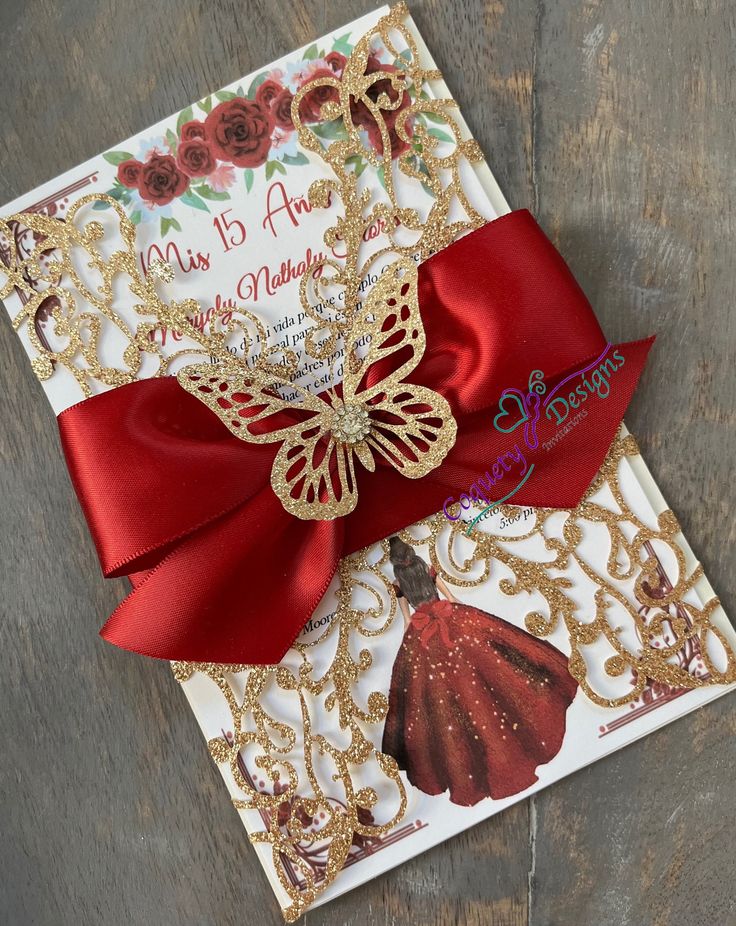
x=634 y=170
x=117 y=813
x=614 y=121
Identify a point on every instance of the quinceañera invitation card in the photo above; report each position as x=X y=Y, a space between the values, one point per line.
x=352 y=430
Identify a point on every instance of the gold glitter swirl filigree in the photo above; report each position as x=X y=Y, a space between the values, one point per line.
x=673 y=642
x=411 y=427
x=64 y=275
x=652 y=632
x=313 y=806
x=80 y=271
x=321 y=436
x=300 y=741
x=383 y=100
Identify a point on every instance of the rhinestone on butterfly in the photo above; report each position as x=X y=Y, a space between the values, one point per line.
x=351 y=424
x=372 y=413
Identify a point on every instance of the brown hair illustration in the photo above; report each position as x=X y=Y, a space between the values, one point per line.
x=411 y=573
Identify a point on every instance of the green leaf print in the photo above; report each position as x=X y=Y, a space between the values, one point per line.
x=186 y=115
x=273 y=167
x=442 y=136
x=119 y=192
x=167 y=224
x=189 y=198
x=296 y=160
x=343 y=45
x=433 y=117
x=330 y=130
x=117 y=157
x=208 y=193
x=257 y=81
x=356 y=161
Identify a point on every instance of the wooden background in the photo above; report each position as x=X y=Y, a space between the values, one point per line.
x=614 y=121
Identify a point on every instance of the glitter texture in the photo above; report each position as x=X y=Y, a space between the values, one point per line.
x=313 y=474
x=351 y=424
x=322 y=691
x=289 y=756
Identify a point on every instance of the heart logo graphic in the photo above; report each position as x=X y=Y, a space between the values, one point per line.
x=518 y=400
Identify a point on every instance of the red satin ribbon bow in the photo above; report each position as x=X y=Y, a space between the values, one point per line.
x=220 y=571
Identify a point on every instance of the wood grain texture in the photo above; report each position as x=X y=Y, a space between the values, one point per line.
x=614 y=121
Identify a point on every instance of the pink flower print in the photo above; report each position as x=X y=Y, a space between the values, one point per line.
x=222 y=178
x=153 y=147
x=283 y=143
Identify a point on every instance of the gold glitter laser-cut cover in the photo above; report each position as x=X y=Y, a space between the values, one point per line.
x=538 y=643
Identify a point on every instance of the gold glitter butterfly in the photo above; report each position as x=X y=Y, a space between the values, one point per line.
x=373 y=414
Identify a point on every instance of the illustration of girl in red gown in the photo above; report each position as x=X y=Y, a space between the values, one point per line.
x=476 y=704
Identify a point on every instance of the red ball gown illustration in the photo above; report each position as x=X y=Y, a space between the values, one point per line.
x=476 y=704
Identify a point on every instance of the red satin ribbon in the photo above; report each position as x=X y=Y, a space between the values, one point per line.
x=220 y=571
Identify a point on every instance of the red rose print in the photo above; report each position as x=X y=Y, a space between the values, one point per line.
x=267 y=92
x=365 y=818
x=336 y=62
x=239 y=131
x=312 y=102
x=193 y=129
x=160 y=180
x=195 y=158
x=359 y=108
x=129 y=172
x=281 y=110
x=286 y=808
x=398 y=145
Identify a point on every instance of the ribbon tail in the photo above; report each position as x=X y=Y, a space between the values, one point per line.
x=566 y=469
x=570 y=447
x=151 y=464
x=566 y=459
x=212 y=598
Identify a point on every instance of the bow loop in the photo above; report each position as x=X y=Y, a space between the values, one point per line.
x=150 y=466
x=226 y=583
x=223 y=573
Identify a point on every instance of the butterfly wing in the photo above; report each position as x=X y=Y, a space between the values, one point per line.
x=412 y=426
x=313 y=475
x=247 y=402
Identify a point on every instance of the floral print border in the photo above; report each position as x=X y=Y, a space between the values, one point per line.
x=232 y=133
